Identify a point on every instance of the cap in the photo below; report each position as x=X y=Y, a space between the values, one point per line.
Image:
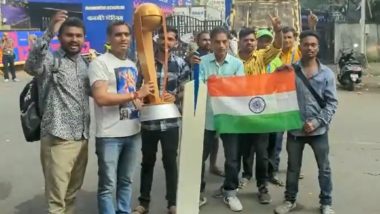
x=264 y=32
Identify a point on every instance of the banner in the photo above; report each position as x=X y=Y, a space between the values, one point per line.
x=23 y=41
x=97 y=14
x=228 y=11
x=56 y=1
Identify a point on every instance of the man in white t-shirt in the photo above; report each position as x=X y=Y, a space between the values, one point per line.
x=113 y=80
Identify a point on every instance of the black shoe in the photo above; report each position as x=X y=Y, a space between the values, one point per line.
x=264 y=196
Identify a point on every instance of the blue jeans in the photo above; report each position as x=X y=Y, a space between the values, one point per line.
x=320 y=146
x=117 y=160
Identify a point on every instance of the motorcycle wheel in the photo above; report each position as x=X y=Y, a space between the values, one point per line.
x=351 y=86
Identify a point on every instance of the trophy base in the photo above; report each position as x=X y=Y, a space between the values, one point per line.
x=159 y=112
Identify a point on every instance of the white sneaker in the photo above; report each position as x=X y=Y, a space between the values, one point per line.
x=327 y=209
x=234 y=203
x=284 y=208
x=16 y=80
x=202 y=200
x=6 y=80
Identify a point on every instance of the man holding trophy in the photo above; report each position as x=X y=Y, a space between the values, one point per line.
x=159 y=116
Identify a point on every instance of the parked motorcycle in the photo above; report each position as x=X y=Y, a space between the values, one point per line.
x=350 y=68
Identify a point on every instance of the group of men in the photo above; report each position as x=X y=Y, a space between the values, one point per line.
x=259 y=53
x=66 y=81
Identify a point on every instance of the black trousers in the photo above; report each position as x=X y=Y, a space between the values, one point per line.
x=9 y=66
x=258 y=143
x=169 y=144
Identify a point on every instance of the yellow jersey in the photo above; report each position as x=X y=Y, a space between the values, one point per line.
x=259 y=60
x=291 y=56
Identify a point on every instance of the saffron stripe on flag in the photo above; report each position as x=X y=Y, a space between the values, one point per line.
x=258 y=124
x=277 y=82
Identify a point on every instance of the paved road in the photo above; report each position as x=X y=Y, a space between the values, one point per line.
x=355 y=157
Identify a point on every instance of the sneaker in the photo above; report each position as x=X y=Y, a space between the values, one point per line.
x=172 y=210
x=16 y=80
x=301 y=176
x=202 y=200
x=326 y=209
x=286 y=207
x=233 y=203
x=140 y=210
x=219 y=193
x=6 y=80
x=264 y=196
x=243 y=183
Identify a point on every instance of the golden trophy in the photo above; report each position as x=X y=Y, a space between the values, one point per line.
x=148 y=18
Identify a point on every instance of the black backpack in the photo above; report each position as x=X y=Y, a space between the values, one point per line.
x=31 y=114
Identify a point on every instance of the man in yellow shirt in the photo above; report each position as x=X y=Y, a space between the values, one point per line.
x=256 y=61
x=264 y=40
x=291 y=52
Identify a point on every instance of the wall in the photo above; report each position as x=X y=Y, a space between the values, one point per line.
x=348 y=34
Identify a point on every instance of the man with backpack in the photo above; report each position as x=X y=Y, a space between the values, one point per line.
x=63 y=101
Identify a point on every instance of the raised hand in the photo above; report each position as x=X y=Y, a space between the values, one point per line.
x=57 y=20
x=195 y=59
x=276 y=23
x=312 y=20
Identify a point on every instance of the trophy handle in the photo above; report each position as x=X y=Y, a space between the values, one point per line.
x=166 y=56
x=145 y=50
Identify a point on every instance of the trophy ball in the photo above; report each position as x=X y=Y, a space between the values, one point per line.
x=151 y=16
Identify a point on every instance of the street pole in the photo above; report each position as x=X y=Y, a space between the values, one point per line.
x=362 y=25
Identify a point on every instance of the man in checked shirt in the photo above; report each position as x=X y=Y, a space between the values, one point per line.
x=166 y=131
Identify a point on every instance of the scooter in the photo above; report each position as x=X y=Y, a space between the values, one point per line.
x=350 y=69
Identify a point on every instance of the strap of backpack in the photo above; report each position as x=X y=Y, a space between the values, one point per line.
x=299 y=73
x=57 y=61
x=86 y=60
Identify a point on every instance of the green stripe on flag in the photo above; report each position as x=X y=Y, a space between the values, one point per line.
x=267 y=123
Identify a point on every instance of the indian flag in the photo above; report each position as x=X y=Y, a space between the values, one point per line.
x=255 y=104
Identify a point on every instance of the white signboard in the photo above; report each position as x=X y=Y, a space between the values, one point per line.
x=181 y=11
x=198 y=12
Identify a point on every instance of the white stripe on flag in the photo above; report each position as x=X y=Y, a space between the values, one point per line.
x=266 y=104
